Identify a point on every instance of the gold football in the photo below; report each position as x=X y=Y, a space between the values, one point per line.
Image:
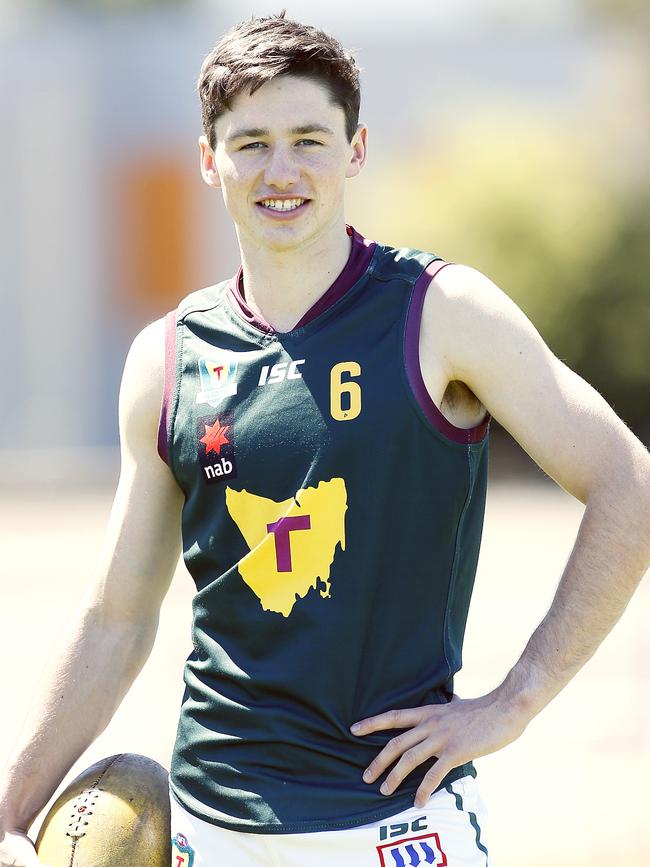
x=114 y=814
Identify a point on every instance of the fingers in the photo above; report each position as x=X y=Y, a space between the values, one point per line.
x=17 y=850
x=393 y=749
x=425 y=739
x=411 y=759
x=431 y=780
x=391 y=719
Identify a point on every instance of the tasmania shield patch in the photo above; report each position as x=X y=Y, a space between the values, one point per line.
x=182 y=852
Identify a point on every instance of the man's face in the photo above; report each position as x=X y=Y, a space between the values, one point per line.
x=281 y=160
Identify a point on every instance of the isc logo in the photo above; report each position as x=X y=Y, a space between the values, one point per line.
x=417 y=825
x=280 y=371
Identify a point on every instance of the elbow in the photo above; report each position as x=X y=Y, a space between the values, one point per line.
x=621 y=492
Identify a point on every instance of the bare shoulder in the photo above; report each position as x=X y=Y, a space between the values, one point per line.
x=145 y=362
x=486 y=341
x=470 y=320
x=462 y=293
x=456 y=294
x=143 y=534
x=142 y=387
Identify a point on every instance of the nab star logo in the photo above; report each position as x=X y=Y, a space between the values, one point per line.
x=412 y=852
x=215 y=437
x=216 y=442
x=182 y=852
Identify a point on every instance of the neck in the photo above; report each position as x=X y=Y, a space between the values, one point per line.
x=281 y=285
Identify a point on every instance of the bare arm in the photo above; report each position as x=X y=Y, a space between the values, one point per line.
x=483 y=339
x=578 y=440
x=113 y=628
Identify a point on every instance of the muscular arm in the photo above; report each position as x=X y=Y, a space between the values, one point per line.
x=577 y=439
x=474 y=334
x=113 y=628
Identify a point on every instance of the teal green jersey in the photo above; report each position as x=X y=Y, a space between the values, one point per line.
x=332 y=523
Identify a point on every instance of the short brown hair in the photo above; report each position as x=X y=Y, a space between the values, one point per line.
x=255 y=51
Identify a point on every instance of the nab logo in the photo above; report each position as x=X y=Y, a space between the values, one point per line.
x=216 y=441
x=412 y=852
x=222 y=469
x=280 y=371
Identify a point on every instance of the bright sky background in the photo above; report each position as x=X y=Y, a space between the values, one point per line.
x=450 y=15
x=405 y=19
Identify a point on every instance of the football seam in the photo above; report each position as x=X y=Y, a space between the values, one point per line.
x=93 y=786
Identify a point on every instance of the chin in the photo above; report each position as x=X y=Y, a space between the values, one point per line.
x=284 y=237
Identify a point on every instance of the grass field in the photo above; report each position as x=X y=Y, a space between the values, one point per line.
x=568 y=793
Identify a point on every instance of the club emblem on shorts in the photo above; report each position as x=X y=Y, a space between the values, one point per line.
x=216 y=446
x=412 y=851
x=182 y=852
x=217 y=378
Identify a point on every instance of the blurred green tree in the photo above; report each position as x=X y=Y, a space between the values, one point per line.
x=624 y=12
x=529 y=202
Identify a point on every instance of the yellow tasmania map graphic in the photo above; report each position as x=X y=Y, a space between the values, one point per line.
x=292 y=543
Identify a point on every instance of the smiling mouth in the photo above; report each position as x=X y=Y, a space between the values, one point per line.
x=282 y=206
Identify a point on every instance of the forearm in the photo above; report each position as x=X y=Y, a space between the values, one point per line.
x=609 y=558
x=89 y=674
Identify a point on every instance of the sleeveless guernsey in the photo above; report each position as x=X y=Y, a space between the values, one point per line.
x=331 y=524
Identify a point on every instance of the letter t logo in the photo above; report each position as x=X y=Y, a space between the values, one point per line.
x=281 y=530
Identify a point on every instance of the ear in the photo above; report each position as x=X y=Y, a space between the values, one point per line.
x=359 y=145
x=208 y=164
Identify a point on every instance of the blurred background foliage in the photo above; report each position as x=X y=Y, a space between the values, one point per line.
x=622 y=11
x=528 y=202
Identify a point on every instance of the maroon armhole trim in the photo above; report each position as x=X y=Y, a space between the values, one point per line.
x=412 y=363
x=168 y=386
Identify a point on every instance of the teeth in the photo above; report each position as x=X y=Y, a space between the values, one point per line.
x=282 y=204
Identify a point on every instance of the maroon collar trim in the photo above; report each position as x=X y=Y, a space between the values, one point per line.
x=358 y=261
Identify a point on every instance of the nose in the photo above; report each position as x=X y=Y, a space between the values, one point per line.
x=281 y=170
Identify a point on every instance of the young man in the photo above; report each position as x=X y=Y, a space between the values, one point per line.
x=324 y=431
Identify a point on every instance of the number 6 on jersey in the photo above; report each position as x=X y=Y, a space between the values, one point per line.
x=338 y=388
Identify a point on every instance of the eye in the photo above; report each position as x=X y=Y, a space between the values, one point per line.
x=252 y=146
x=309 y=141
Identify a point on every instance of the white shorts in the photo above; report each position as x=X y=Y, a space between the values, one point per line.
x=448 y=830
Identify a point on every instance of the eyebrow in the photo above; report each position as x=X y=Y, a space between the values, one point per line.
x=257 y=132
